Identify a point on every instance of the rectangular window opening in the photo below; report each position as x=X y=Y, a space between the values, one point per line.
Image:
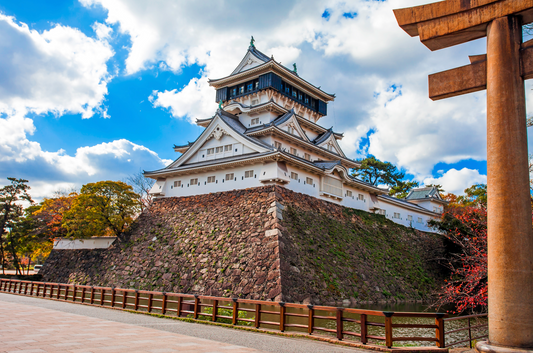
x=211 y=179
x=249 y=174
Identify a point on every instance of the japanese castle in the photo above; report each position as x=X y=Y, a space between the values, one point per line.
x=266 y=132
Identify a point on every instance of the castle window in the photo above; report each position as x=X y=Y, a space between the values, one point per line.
x=210 y=151
x=309 y=181
x=287 y=89
x=256 y=84
x=250 y=87
x=330 y=148
x=255 y=121
x=249 y=174
x=227 y=148
x=307 y=156
x=419 y=220
x=409 y=218
x=177 y=183
x=306 y=100
x=294 y=151
x=294 y=176
x=194 y=181
x=277 y=145
x=233 y=92
x=219 y=149
x=211 y=179
x=241 y=90
x=300 y=96
x=290 y=130
x=349 y=193
x=361 y=197
x=332 y=186
x=229 y=176
x=396 y=215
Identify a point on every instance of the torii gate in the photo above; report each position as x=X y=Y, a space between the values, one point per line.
x=501 y=72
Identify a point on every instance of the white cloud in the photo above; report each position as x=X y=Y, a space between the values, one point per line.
x=59 y=70
x=51 y=171
x=456 y=181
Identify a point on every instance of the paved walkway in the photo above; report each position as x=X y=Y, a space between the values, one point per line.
x=40 y=325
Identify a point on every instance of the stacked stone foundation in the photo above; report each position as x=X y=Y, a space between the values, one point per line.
x=264 y=243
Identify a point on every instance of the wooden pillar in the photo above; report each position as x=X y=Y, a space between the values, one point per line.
x=282 y=316
x=196 y=306
x=311 y=319
x=136 y=303
x=439 y=331
x=235 y=312
x=124 y=299
x=510 y=235
x=164 y=303
x=388 y=328
x=180 y=299
x=215 y=309
x=364 y=329
x=150 y=297
x=257 y=315
x=340 y=325
x=92 y=295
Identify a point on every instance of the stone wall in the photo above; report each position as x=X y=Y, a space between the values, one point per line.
x=260 y=243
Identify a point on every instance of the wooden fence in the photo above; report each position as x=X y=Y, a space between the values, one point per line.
x=469 y=318
x=269 y=315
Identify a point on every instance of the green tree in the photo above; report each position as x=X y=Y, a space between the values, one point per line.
x=11 y=211
x=376 y=172
x=105 y=208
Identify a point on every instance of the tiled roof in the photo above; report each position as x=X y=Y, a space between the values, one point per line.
x=327 y=164
x=423 y=193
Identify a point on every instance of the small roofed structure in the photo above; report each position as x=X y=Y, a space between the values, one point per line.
x=428 y=198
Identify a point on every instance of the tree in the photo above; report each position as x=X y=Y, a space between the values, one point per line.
x=466 y=229
x=475 y=196
x=11 y=211
x=376 y=172
x=50 y=214
x=105 y=208
x=141 y=185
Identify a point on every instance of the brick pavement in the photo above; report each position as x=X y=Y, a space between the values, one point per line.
x=28 y=329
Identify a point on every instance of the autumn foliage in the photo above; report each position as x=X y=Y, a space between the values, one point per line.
x=466 y=230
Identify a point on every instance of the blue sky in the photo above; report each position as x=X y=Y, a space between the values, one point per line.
x=98 y=89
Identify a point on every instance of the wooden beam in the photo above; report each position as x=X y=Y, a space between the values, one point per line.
x=473 y=77
x=451 y=22
x=458 y=81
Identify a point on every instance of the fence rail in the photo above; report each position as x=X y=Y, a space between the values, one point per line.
x=470 y=339
x=339 y=322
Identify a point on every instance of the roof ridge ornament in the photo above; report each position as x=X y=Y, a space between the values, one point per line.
x=252 y=41
x=295 y=69
x=220 y=104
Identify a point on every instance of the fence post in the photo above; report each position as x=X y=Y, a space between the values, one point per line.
x=82 y=295
x=257 y=315
x=75 y=289
x=31 y=289
x=235 y=311
x=92 y=295
x=364 y=329
x=180 y=299
x=196 y=305
x=164 y=303
x=469 y=333
x=150 y=296
x=281 y=316
x=388 y=328
x=311 y=322
x=66 y=292
x=439 y=332
x=215 y=310
x=102 y=295
x=339 y=324
x=112 y=296
x=124 y=299
x=58 y=291
x=136 y=306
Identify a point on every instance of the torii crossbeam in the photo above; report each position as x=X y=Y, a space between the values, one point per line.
x=501 y=72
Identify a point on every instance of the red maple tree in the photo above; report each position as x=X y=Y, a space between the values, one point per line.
x=466 y=230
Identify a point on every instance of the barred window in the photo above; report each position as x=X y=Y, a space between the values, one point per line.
x=219 y=149
x=177 y=183
x=227 y=148
x=229 y=176
x=409 y=218
x=277 y=145
x=349 y=193
x=210 y=151
x=211 y=179
x=396 y=215
x=255 y=121
x=419 y=219
x=309 y=181
x=249 y=174
x=194 y=181
x=361 y=197
x=332 y=186
x=307 y=156
x=294 y=176
x=294 y=151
